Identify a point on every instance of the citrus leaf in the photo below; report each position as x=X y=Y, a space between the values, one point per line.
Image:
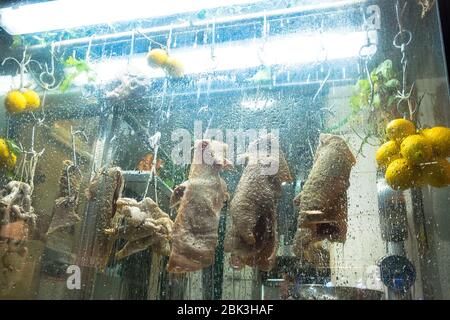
x=392 y=84
x=13 y=147
x=67 y=81
x=376 y=101
x=355 y=102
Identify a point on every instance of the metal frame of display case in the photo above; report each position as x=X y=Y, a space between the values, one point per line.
x=444 y=14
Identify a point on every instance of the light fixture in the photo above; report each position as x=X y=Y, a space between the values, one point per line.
x=67 y=14
x=294 y=49
x=257 y=104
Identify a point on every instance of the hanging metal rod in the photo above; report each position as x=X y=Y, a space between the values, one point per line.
x=224 y=20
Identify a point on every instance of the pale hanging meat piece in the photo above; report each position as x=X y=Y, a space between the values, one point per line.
x=323 y=199
x=103 y=192
x=16 y=212
x=64 y=210
x=427 y=6
x=143 y=225
x=16 y=217
x=199 y=201
x=252 y=238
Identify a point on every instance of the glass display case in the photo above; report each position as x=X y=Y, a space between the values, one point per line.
x=246 y=149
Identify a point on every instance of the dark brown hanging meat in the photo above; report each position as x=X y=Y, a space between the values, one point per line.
x=64 y=210
x=103 y=192
x=199 y=201
x=252 y=238
x=323 y=200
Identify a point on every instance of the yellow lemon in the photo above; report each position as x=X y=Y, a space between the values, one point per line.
x=174 y=67
x=4 y=150
x=399 y=129
x=439 y=138
x=437 y=173
x=33 y=100
x=15 y=102
x=416 y=149
x=387 y=153
x=401 y=175
x=11 y=161
x=157 y=57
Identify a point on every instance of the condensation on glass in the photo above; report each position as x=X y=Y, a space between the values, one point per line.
x=261 y=150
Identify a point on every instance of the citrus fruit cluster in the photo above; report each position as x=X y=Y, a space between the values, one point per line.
x=7 y=158
x=415 y=158
x=17 y=101
x=159 y=58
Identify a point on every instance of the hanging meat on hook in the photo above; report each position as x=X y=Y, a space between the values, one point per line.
x=252 y=238
x=16 y=217
x=13 y=255
x=143 y=225
x=103 y=192
x=199 y=200
x=427 y=6
x=323 y=200
x=146 y=163
x=15 y=210
x=64 y=210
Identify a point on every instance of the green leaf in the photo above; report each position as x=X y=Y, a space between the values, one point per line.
x=391 y=100
x=10 y=174
x=80 y=66
x=364 y=85
x=386 y=69
x=71 y=62
x=17 y=41
x=374 y=78
x=13 y=147
x=376 y=101
x=355 y=102
x=169 y=183
x=339 y=125
x=392 y=84
x=67 y=81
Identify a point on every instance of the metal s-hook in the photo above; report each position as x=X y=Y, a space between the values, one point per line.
x=213 y=45
x=73 y=135
x=169 y=39
x=401 y=41
x=265 y=35
x=366 y=53
x=74 y=165
x=150 y=40
x=23 y=65
x=322 y=61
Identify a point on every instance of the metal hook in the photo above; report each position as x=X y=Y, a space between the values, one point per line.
x=150 y=40
x=322 y=85
x=74 y=134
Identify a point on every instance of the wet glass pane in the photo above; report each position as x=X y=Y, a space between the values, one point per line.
x=202 y=150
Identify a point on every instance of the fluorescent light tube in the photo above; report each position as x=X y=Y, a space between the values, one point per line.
x=294 y=49
x=67 y=14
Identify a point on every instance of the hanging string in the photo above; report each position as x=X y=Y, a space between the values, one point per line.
x=366 y=57
x=401 y=41
x=149 y=39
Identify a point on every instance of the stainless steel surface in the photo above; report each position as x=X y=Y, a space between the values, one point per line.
x=392 y=210
x=140 y=179
x=321 y=292
x=396 y=248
